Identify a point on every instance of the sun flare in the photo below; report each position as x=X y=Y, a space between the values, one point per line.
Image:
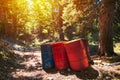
x=30 y=3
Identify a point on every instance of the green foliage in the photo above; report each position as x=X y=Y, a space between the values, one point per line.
x=70 y=13
x=116 y=23
x=31 y=17
x=45 y=31
x=117 y=48
x=3 y=54
x=82 y=16
x=26 y=16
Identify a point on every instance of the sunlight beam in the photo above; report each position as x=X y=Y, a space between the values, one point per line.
x=30 y=4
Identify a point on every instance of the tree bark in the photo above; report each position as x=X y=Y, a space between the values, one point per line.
x=57 y=18
x=61 y=34
x=105 y=28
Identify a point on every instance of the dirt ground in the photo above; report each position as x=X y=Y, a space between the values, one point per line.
x=27 y=65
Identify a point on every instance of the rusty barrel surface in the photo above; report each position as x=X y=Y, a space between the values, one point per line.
x=77 y=54
x=60 y=56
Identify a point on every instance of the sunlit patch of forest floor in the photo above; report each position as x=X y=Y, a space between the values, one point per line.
x=117 y=48
x=25 y=64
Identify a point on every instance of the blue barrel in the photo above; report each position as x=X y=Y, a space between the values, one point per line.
x=47 y=56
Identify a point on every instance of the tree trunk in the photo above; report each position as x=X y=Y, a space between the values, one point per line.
x=105 y=28
x=5 y=22
x=61 y=34
x=57 y=18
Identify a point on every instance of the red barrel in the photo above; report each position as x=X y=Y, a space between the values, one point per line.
x=77 y=54
x=60 y=56
x=85 y=43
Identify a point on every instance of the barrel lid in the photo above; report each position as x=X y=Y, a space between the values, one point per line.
x=75 y=40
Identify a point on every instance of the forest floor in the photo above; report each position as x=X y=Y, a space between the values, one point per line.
x=26 y=64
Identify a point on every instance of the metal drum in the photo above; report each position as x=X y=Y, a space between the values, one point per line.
x=60 y=56
x=47 y=56
x=77 y=54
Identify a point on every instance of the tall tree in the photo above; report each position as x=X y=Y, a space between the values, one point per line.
x=61 y=22
x=4 y=6
x=57 y=12
x=105 y=28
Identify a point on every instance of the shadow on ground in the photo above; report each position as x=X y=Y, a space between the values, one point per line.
x=89 y=73
x=19 y=46
x=12 y=64
x=9 y=65
x=114 y=59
